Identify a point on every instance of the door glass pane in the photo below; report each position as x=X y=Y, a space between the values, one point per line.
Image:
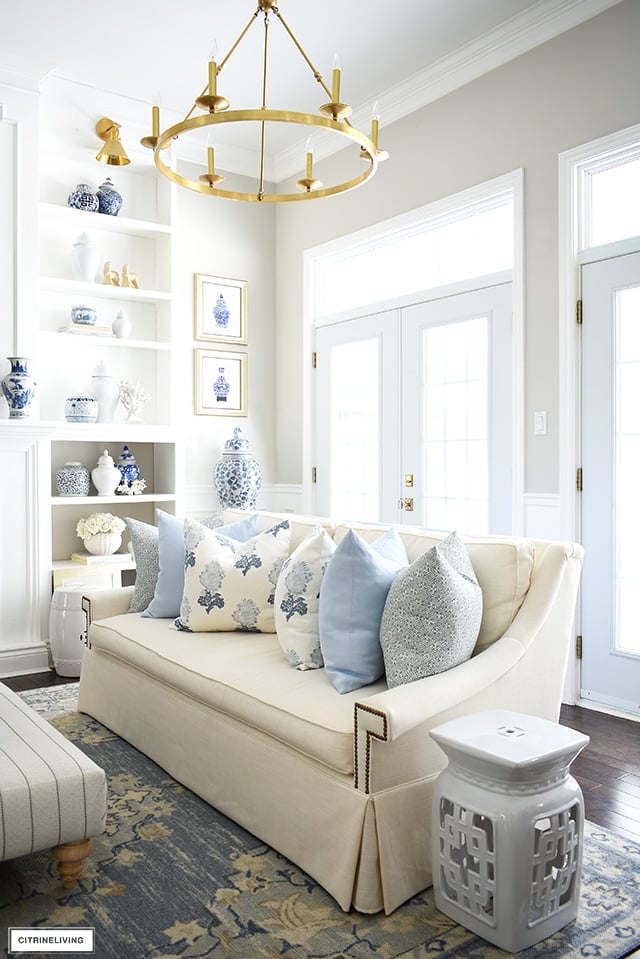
x=455 y=443
x=475 y=241
x=355 y=430
x=627 y=634
x=615 y=203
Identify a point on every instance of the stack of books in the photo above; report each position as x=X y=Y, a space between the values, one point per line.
x=87 y=329
x=90 y=559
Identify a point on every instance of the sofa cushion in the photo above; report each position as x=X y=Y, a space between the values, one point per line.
x=169 y=587
x=432 y=614
x=144 y=543
x=352 y=598
x=230 y=585
x=300 y=526
x=298 y=600
x=503 y=567
x=241 y=675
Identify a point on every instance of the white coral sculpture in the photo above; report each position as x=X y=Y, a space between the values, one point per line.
x=133 y=398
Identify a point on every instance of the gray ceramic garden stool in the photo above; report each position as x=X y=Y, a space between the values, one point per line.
x=508 y=824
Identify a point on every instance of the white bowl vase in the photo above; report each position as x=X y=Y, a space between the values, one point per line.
x=103 y=544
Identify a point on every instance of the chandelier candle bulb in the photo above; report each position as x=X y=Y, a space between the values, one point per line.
x=335 y=79
x=155 y=121
x=213 y=78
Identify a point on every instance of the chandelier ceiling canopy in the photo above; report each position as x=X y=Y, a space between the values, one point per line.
x=212 y=108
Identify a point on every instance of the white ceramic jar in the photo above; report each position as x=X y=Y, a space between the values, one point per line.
x=105 y=390
x=106 y=476
x=85 y=259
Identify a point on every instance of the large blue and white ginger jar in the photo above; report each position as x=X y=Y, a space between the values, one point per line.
x=18 y=387
x=237 y=477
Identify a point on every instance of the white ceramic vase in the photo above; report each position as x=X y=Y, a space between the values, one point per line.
x=106 y=391
x=106 y=476
x=85 y=259
x=103 y=544
x=121 y=325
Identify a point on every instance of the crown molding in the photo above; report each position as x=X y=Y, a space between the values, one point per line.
x=516 y=36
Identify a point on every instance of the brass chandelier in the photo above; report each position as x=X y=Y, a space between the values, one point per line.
x=332 y=116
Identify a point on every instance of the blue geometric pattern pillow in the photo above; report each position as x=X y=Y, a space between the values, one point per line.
x=432 y=615
x=230 y=585
x=352 y=598
x=298 y=600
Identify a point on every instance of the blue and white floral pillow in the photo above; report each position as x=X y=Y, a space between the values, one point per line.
x=297 y=600
x=230 y=585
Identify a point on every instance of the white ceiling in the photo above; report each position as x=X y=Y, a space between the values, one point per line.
x=401 y=53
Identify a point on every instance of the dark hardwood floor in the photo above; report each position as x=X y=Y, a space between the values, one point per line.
x=608 y=769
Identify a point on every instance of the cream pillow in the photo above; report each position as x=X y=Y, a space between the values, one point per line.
x=230 y=585
x=298 y=600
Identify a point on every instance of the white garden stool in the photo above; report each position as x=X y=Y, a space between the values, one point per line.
x=507 y=826
x=67 y=629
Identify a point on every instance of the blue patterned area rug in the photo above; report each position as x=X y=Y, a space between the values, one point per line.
x=171 y=877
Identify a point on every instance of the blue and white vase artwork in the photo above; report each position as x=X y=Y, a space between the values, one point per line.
x=18 y=388
x=129 y=469
x=221 y=387
x=83 y=198
x=109 y=200
x=237 y=477
x=221 y=313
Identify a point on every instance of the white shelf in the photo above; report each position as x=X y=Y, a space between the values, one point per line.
x=106 y=340
x=56 y=284
x=84 y=220
x=104 y=500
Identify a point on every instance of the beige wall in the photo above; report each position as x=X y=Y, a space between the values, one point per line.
x=575 y=88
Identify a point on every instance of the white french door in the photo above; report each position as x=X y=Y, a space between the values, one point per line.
x=610 y=503
x=414 y=414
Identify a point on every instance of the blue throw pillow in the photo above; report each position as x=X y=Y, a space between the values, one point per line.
x=170 y=585
x=352 y=598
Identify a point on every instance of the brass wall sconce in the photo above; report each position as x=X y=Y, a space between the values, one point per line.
x=112 y=152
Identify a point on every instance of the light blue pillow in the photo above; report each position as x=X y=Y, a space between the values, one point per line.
x=167 y=596
x=352 y=598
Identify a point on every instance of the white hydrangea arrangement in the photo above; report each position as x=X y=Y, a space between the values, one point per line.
x=99 y=523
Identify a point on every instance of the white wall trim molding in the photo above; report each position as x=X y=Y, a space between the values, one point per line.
x=542 y=515
x=516 y=36
x=19 y=662
x=275 y=497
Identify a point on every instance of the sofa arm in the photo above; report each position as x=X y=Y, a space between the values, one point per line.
x=418 y=706
x=102 y=603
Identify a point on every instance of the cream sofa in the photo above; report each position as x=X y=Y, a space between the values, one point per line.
x=340 y=784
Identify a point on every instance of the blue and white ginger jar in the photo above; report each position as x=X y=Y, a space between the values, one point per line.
x=73 y=479
x=129 y=469
x=237 y=477
x=81 y=408
x=109 y=200
x=18 y=387
x=83 y=198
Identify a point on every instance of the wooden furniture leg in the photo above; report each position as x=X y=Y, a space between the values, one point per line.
x=70 y=857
